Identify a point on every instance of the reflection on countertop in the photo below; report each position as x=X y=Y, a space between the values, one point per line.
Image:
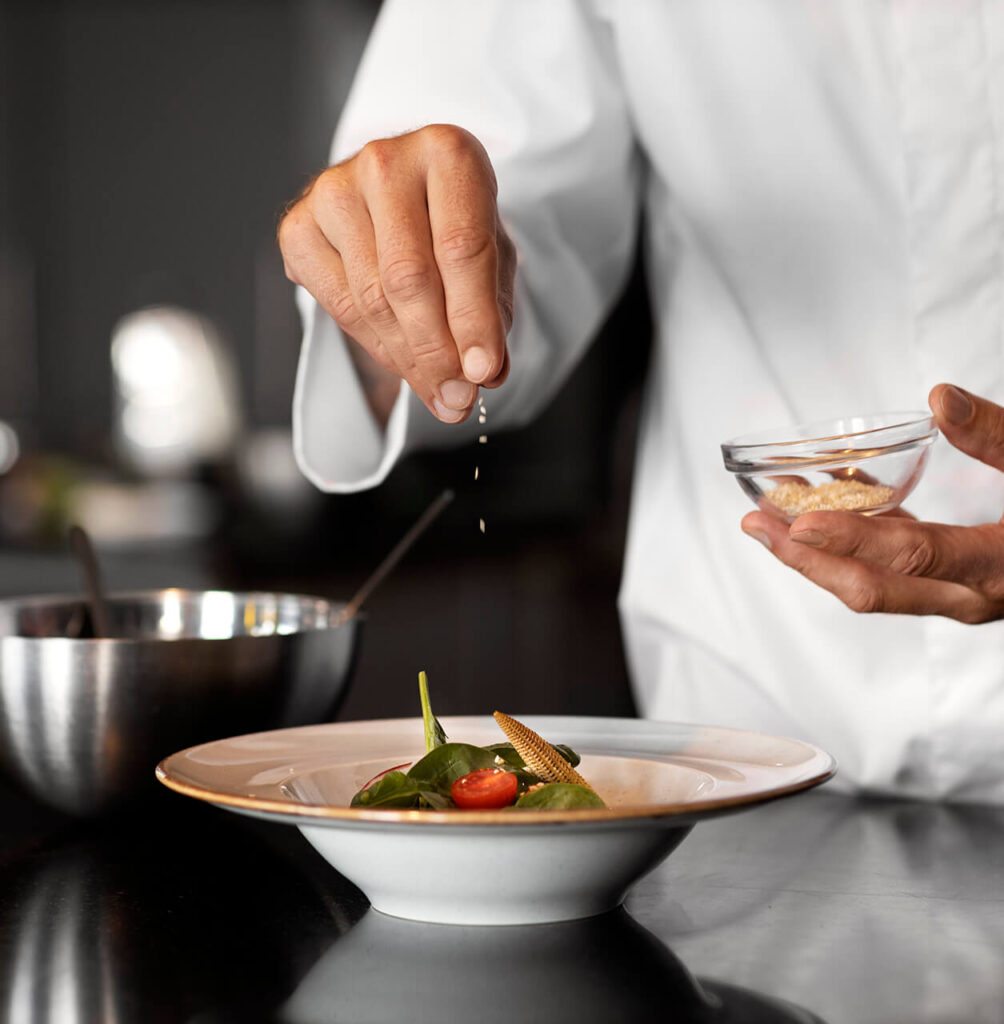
x=603 y=969
x=816 y=908
x=866 y=910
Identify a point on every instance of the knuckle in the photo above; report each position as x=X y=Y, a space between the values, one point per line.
x=450 y=138
x=293 y=242
x=334 y=192
x=918 y=556
x=407 y=277
x=457 y=147
x=863 y=594
x=290 y=229
x=377 y=160
x=344 y=310
x=993 y=588
x=464 y=244
x=373 y=301
x=472 y=318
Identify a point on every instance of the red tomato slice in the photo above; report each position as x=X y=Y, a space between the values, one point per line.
x=485 y=789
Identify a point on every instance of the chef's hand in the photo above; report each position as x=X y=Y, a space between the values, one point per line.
x=402 y=246
x=893 y=563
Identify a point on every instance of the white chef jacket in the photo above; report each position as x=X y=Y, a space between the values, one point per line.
x=823 y=189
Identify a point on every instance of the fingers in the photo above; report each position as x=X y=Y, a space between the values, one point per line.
x=310 y=261
x=393 y=275
x=972 y=424
x=892 y=564
x=970 y=555
x=402 y=245
x=466 y=242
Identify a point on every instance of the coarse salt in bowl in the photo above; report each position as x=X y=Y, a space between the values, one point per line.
x=867 y=464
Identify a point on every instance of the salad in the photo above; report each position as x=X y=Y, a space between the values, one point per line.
x=525 y=773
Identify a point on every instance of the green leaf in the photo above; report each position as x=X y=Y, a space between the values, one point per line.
x=508 y=754
x=394 y=789
x=442 y=766
x=435 y=735
x=559 y=796
x=567 y=753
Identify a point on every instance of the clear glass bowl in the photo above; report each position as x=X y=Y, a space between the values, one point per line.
x=865 y=464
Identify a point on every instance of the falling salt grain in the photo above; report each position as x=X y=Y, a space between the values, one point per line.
x=482 y=439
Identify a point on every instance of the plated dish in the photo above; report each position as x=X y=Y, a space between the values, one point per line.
x=498 y=866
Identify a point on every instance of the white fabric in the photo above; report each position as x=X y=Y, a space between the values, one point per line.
x=823 y=187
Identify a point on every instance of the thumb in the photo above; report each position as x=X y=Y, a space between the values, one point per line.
x=972 y=424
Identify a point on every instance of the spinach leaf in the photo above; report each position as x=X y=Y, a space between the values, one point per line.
x=559 y=796
x=435 y=735
x=394 y=789
x=508 y=754
x=567 y=753
x=512 y=762
x=397 y=791
x=443 y=765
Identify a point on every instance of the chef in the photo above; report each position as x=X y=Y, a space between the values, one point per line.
x=822 y=190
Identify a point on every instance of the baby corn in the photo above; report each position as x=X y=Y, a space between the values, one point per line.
x=539 y=756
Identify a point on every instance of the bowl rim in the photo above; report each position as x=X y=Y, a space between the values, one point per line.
x=137 y=594
x=821 y=766
x=767 y=450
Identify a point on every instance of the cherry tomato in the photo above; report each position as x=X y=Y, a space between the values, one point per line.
x=485 y=789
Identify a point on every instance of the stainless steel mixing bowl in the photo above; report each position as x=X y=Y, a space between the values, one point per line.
x=84 y=722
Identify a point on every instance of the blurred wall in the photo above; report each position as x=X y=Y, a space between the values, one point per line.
x=145 y=151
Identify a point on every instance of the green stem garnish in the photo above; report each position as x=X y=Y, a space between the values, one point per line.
x=435 y=735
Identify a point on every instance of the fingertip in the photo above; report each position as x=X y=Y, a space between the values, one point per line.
x=448 y=415
x=478 y=364
x=756 y=521
x=952 y=405
x=756 y=525
x=500 y=378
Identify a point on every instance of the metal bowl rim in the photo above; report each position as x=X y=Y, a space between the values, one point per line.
x=41 y=600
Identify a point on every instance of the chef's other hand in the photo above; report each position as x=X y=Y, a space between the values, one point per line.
x=893 y=563
x=403 y=247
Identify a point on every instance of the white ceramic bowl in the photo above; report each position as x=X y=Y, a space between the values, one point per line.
x=497 y=867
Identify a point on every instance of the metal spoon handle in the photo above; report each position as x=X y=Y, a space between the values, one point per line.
x=81 y=545
x=395 y=554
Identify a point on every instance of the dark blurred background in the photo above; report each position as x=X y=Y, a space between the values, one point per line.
x=145 y=152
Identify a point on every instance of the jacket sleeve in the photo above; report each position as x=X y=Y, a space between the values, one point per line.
x=537 y=83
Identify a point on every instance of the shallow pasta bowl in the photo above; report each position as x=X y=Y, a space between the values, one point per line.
x=497 y=867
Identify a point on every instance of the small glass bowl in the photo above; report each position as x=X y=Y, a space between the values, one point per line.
x=865 y=464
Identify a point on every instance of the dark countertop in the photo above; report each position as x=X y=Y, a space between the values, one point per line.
x=817 y=907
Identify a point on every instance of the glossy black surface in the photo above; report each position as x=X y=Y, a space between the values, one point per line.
x=818 y=907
